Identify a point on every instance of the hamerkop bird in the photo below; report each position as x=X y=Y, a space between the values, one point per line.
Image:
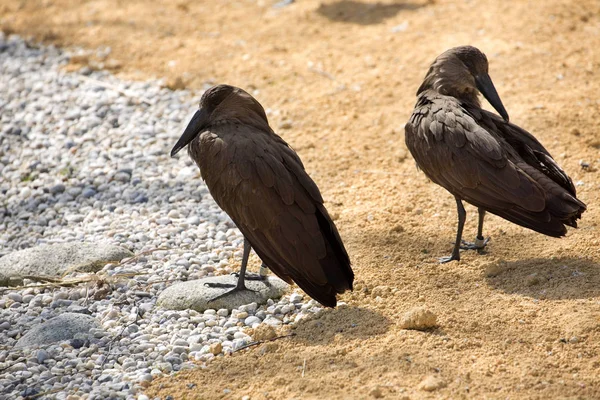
x=256 y=178
x=482 y=158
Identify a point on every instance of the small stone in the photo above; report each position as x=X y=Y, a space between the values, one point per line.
x=532 y=280
x=18 y=367
x=285 y=125
x=88 y=192
x=41 y=356
x=30 y=392
x=376 y=392
x=175 y=83
x=268 y=347
x=58 y=188
x=16 y=297
x=223 y=312
x=241 y=315
x=251 y=321
x=122 y=177
x=296 y=298
x=270 y=320
x=193 y=220
x=400 y=28
x=418 y=318
x=173 y=214
x=432 y=383
x=216 y=348
x=263 y=332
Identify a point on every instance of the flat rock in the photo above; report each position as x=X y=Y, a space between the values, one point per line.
x=57 y=259
x=65 y=327
x=196 y=296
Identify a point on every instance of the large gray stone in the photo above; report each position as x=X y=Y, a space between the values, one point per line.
x=65 y=327
x=57 y=259
x=196 y=296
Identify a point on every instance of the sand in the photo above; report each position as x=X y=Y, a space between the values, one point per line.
x=521 y=320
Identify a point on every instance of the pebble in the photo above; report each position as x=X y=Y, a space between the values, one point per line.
x=250 y=321
x=432 y=383
x=418 y=318
x=41 y=356
x=216 y=348
x=296 y=298
x=106 y=176
x=16 y=297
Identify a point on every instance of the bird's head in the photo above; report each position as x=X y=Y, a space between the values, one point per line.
x=223 y=104
x=461 y=72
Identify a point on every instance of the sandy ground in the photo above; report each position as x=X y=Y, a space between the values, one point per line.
x=522 y=320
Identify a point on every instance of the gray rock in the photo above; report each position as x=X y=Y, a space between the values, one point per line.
x=65 y=327
x=57 y=259
x=196 y=296
x=58 y=188
x=41 y=355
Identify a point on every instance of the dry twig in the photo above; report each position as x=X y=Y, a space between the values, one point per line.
x=256 y=343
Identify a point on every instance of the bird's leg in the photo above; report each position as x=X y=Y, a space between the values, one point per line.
x=480 y=242
x=251 y=276
x=240 y=286
x=462 y=216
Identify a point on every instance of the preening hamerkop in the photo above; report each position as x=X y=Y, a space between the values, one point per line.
x=481 y=158
x=260 y=182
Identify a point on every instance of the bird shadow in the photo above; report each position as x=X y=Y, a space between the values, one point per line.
x=547 y=278
x=350 y=322
x=363 y=13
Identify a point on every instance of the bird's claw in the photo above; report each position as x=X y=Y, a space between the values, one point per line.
x=444 y=260
x=479 y=244
x=230 y=292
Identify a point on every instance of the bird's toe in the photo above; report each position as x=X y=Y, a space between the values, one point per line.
x=218 y=285
x=478 y=244
x=444 y=260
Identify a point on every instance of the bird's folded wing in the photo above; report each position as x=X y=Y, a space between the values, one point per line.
x=468 y=161
x=528 y=147
x=272 y=200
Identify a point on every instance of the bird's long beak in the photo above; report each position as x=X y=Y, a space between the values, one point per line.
x=195 y=126
x=486 y=87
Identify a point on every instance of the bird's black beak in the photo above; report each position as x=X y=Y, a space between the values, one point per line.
x=486 y=87
x=195 y=126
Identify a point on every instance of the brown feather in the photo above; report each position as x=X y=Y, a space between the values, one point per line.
x=260 y=182
x=481 y=158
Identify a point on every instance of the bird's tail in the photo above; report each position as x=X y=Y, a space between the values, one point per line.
x=335 y=265
x=561 y=209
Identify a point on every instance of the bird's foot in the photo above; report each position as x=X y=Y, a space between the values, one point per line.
x=478 y=244
x=219 y=285
x=232 y=291
x=250 y=276
x=444 y=260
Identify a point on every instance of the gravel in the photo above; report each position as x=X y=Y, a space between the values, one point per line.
x=85 y=158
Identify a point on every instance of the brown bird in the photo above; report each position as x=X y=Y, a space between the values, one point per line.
x=482 y=158
x=260 y=182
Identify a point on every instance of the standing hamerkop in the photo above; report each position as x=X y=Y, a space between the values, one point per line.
x=484 y=159
x=260 y=182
